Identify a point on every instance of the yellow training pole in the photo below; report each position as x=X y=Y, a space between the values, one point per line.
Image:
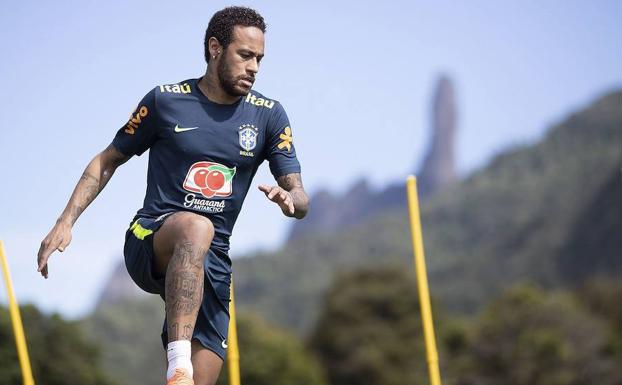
x=233 y=354
x=16 y=319
x=422 y=281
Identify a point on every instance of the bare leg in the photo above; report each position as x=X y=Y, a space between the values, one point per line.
x=180 y=246
x=206 y=364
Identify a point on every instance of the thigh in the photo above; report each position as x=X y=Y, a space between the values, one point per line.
x=205 y=363
x=139 y=255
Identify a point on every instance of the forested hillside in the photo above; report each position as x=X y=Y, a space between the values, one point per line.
x=541 y=213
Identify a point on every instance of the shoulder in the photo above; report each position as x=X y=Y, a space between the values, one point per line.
x=181 y=88
x=165 y=94
x=259 y=101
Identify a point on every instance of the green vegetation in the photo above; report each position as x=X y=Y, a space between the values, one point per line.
x=129 y=335
x=60 y=354
x=272 y=357
x=530 y=215
x=369 y=333
x=528 y=336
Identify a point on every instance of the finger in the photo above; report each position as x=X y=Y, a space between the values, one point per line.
x=40 y=256
x=43 y=255
x=264 y=188
x=290 y=204
x=273 y=192
x=63 y=244
x=42 y=263
x=44 y=272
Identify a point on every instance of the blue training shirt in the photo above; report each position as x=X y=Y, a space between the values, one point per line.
x=203 y=155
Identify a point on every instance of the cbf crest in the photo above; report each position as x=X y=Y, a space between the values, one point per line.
x=248 y=139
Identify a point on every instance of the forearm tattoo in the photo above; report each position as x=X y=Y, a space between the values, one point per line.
x=87 y=189
x=90 y=185
x=293 y=184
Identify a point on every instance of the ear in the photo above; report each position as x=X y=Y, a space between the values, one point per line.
x=215 y=49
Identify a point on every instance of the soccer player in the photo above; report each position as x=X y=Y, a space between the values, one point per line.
x=207 y=137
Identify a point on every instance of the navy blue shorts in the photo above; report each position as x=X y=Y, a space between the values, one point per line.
x=212 y=323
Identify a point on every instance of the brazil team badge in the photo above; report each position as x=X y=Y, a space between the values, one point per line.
x=248 y=136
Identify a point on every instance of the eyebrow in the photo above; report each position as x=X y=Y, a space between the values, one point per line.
x=249 y=51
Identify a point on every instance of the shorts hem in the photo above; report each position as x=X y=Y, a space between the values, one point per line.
x=219 y=351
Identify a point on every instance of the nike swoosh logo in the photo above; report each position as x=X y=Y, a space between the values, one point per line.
x=182 y=129
x=224 y=345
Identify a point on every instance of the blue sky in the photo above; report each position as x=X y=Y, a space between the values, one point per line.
x=355 y=78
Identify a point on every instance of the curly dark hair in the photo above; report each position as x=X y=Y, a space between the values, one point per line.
x=222 y=23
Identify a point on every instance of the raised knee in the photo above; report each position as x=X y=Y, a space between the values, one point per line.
x=194 y=226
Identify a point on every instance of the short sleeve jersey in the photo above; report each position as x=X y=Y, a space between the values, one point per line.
x=203 y=155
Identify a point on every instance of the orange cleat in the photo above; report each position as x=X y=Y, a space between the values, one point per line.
x=181 y=377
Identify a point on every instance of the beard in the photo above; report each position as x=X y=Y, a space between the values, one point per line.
x=230 y=83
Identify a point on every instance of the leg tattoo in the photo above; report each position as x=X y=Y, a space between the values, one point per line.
x=184 y=290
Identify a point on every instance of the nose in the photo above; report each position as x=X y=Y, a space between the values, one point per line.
x=253 y=66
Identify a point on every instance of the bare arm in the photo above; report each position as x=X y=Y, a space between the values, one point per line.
x=289 y=195
x=93 y=180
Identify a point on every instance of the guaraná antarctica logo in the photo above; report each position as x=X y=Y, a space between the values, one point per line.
x=210 y=180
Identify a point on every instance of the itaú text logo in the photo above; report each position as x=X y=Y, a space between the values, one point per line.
x=210 y=179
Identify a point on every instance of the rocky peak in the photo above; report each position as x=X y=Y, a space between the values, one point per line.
x=439 y=169
x=331 y=212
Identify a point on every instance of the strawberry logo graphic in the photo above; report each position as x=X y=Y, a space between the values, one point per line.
x=210 y=179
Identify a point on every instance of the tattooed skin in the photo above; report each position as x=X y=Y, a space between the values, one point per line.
x=95 y=176
x=292 y=183
x=90 y=185
x=184 y=334
x=88 y=188
x=184 y=289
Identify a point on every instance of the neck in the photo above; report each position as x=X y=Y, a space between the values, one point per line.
x=210 y=86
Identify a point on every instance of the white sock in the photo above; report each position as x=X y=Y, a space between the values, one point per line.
x=178 y=354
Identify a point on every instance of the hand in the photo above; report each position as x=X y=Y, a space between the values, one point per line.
x=281 y=197
x=58 y=239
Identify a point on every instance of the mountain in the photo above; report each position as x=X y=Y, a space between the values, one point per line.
x=120 y=288
x=594 y=244
x=439 y=168
x=332 y=213
x=546 y=213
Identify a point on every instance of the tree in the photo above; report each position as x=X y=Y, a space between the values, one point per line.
x=59 y=353
x=128 y=332
x=369 y=331
x=529 y=337
x=602 y=296
x=272 y=357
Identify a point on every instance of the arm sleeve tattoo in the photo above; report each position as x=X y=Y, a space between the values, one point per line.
x=293 y=184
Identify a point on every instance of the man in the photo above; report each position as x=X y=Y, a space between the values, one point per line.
x=207 y=137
